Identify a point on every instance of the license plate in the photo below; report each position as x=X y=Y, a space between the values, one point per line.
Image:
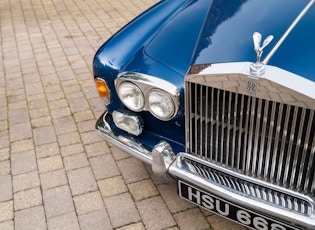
x=231 y=211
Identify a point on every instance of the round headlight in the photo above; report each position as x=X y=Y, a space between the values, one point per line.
x=131 y=96
x=161 y=104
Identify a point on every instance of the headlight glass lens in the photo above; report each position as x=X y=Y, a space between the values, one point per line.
x=161 y=104
x=131 y=96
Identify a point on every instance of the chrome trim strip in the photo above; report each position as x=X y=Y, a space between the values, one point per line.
x=286 y=34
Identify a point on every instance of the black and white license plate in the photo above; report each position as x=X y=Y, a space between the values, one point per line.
x=231 y=211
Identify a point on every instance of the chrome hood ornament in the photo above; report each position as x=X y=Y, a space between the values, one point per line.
x=258 y=68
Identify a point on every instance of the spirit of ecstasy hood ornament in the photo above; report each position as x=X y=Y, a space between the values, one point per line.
x=258 y=68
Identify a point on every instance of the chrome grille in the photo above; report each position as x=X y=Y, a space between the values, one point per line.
x=264 y=139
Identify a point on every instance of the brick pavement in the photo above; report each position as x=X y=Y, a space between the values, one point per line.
x=55 y=171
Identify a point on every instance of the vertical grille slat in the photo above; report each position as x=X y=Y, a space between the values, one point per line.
x=262 y=155
x=191 y=117
x=196 y=118
x=234 y=137
x=217 y=113
x=252 y=116
x=207 y=122
x=283 y=145
x=245 y=145
x=276 y=144
x=227 y=160
x=308 y=142
x=222 y=124
x=296 y=159
x=259 y=117
x=270 y=141
x=267 y=140
x=200 y=123
x=310 y=170
x=211 y=127
x=241 y=118
x=288 y=167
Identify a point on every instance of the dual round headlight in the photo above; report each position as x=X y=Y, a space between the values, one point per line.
x=131 y=96
x=160 y=104
x=157 y=101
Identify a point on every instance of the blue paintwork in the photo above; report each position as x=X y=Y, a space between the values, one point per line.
x=134 y=49
x=161 y=42
x=227 y=36
x=173 y=45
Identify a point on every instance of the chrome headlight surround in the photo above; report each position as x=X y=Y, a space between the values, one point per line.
x=152 y=88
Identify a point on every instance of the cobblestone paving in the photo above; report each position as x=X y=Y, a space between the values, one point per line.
x=55 y=171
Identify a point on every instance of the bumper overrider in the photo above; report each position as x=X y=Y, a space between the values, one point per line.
x=165 y=164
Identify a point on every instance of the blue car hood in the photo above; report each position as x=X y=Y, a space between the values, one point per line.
x=230 y=24
x=174 y=44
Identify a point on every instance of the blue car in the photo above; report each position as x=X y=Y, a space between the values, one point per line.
x=220 y=95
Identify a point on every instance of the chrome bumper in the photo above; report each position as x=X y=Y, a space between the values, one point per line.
x=165 y=163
